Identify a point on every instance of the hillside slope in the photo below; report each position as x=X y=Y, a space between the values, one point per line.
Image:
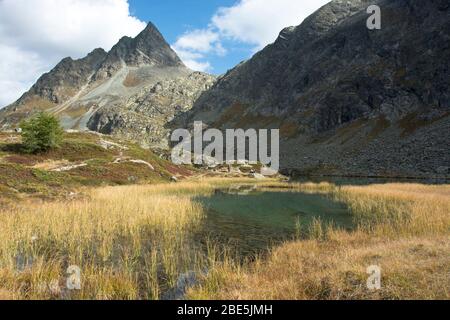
x=348 y=100
x=83 y=160
x=129 y=92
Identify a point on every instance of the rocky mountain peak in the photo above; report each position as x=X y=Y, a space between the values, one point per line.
x=151 y=43
x=131 y=91
x=148 y=48
x=152 y=35
x=99 y=52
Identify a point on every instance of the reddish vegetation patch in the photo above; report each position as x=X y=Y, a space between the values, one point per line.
x=381 y=125
x=18 y=159
x=307 y=113
x=412 y=122
x=32 y=175
x=236 y=115
x=257 y=121
x=9 y=174
x=121 y=174
x=289 y=130
x=78 y=151
x=232 y=113
x=345 y=133
x=178 y=171
x=131 y=80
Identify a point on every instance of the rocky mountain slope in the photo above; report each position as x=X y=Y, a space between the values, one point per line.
x=130 y=91
x=348 y=100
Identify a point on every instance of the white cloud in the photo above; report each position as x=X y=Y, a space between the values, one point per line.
x=193 y=45
x=258 y=22
x=191 y=59
x=199 y=40
x=253 y=22
x=198 y=65
x=16 y=67
x=36 y=34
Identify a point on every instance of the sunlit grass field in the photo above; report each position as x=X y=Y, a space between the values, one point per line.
x=123 y=239
x=133 y=242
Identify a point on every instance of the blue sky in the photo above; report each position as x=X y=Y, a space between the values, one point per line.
x=215 y=35
x=208 y=35
x=174 y=18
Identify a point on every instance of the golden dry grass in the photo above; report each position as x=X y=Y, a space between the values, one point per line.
x=394 y=210
x=130 y=242
x=336 y=269
x=133 y=242
x=403 y=228
x=124 y=239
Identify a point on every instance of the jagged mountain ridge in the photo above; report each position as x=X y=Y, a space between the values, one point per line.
x=148 y=48
x=348 y=100
x=116 y=92
x=54 y=87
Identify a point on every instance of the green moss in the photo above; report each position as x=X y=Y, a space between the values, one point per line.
x=74 y=150
x=97 y=162
x=159 y=164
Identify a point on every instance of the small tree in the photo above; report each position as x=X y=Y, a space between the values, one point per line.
x=41 y=133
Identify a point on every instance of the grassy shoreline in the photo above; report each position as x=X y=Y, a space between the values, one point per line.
x=133 y=242
x=130 y=242
x=403 y=228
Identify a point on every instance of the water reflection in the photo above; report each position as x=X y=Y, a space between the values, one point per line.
x=251 y=220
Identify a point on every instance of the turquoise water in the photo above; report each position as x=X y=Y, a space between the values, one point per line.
x=258 y=220
x=249 y=221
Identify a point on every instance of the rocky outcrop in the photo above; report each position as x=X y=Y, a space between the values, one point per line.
x=143 y=117
x=348 y=100
x=132 y=91
x=68 y=76
x=148 y=48
x=55 y=87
